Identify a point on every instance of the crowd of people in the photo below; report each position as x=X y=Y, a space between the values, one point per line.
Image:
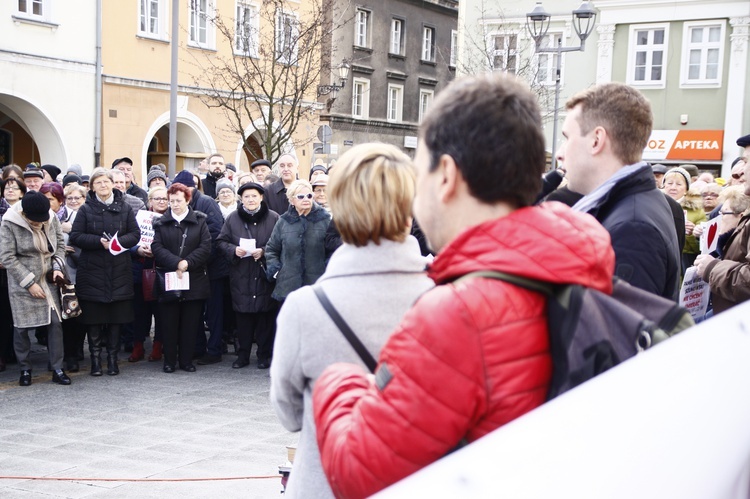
x=213 y=227
x=406 y=360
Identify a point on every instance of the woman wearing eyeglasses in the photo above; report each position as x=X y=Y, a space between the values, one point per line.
x=295 y=254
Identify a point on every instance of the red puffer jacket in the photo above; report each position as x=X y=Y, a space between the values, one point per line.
x=466 y=359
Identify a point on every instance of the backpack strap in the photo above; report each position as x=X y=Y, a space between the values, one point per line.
x=351 y=337
x=545 y=288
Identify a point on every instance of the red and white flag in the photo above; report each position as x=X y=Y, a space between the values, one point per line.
x=115 y=247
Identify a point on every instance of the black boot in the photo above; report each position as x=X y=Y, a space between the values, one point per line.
x=95 y=347
x=113 y=348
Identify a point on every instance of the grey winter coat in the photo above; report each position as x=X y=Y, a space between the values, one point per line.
x=296 y=250
x=26 y=266
x=372 y=287
x=251 y=291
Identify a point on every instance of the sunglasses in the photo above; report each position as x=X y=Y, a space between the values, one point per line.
x=303 y=196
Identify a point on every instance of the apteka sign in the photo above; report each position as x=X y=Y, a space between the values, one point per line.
x=684 y=145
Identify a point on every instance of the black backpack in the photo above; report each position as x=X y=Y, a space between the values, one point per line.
x=591 y=331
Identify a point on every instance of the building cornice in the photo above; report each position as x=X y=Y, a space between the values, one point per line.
x=47 y=61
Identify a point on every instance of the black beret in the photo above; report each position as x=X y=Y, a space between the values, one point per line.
x=744 y=141
x=250 y=185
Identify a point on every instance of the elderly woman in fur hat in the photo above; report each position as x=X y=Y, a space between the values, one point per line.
x=31 y=245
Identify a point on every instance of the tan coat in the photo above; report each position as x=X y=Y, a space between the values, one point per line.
x=729 y=278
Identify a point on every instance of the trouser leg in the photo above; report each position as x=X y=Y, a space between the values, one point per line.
x=170 y=314
x=55 y=342
x=215 y=318
x=245 y=328
x=189 y=323
x=265 y=333
x=22 y=346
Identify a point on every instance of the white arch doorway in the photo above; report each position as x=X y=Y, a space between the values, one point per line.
x=39 y=127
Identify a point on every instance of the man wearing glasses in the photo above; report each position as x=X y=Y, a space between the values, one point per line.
x=729 y=277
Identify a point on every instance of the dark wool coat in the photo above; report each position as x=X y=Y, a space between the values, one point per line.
x=276 y=197
x=166 y=248
x=218 y=266
x=297 y=250
x=250 y=288
x=102 y=277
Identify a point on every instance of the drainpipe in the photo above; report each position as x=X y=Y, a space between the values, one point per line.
x=172 y=167
x=98 y=84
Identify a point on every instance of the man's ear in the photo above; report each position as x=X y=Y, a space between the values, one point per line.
x=451 y=178
x=600 y=140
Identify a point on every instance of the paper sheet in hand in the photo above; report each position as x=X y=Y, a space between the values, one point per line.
x=248 y=245
x=174 y=283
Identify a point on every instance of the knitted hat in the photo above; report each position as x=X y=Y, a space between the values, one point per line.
x=682 y=172
x=75 y=168
x=85 y=178
x=250 y=185
x=52 y=170
x=260 y=162
x=225 y=184
x=318 y=168
x=159 y=166
x=155 y=173
x=35 y=206
x=71 y=178
x=185 y=178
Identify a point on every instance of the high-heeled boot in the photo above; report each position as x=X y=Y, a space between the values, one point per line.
x=95 y=348
x=137 y=352
x=113 y=347
x=156 y=352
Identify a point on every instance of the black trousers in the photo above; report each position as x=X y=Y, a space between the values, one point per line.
x=74 y=334
x=181 y=321
x=262 y=327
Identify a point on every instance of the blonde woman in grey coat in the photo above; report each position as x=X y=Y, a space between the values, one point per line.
x=372 y=280
x=31 y=245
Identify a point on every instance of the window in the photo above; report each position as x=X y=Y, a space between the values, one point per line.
x=647 y=55
x=395 y=102
x=454 y=48
x=425 y=99
x=287 y=33
x=361 y=98
x=201 y=33
x=702 y=54
x=152 y=19
x=505 y=53
x=397 y=37
x=246 y=29
x=31 y=8
x=547 y=63
x=428 y=43
x=362 y=28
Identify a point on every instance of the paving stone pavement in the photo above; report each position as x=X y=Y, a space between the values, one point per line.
x=141 y=424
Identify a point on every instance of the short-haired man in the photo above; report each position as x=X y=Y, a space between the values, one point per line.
x=125 y=165
x=261 y=168
x=276 y=192
x=216 y=171
x=33 y=178
x=729 y=277
x=606 y=130
x=120 y=181
x=473 y=355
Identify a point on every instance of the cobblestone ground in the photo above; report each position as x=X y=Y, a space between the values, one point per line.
x=141 y=425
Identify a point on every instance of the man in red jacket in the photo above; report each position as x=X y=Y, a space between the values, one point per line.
x=471 y=355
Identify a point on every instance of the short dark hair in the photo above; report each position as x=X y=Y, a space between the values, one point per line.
x=12 y=180
x=176 y=187
x=492 y=128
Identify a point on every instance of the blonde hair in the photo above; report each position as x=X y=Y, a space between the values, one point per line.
x=736 y=197
x=297 y=186
x=70 y=188
x=152 y=192
x=370 y=192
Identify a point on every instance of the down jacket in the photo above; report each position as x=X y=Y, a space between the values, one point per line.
x=468 y=357
x=26 y=266
x=251 y=291
x=168 y=234
x=297 y=250
x=102 y=277
x=218 y=267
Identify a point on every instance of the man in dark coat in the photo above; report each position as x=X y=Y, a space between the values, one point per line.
x=276 y=192
x=125 y=165
x=607 y=128
x=218 y=271
x=216 y=171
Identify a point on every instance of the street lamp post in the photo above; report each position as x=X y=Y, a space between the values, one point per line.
x=537 y=24
x=343 y=70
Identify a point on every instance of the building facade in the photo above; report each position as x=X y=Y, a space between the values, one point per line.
x=688 y=57
x=401 y=54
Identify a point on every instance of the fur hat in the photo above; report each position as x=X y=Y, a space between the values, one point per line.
x=35 y=206
x=155 y=173
x=185 y=178
x=225 y=184
x=249 y=185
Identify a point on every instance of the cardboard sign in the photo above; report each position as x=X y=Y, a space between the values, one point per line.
x=145 y=221
x=710 y=237
x=694 y=294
